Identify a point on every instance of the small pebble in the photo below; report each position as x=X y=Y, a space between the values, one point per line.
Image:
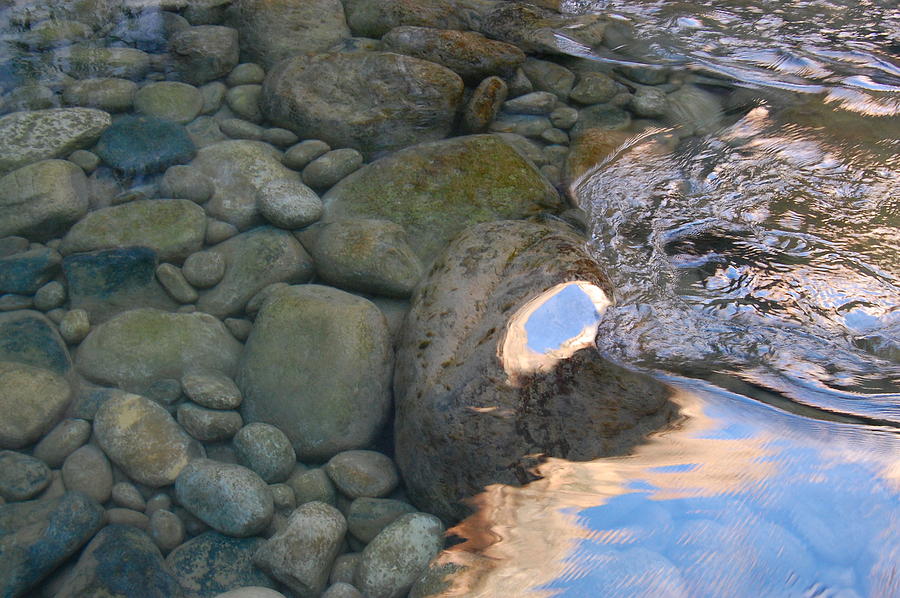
x=208 y=425
x=62 y=441
x=537 y=103
x=173 y=281
x=312 y=485
x=165 y=391
x=266 y=450
x=213 y=96
x=21 y=476
x=366 y=517
x=211 y=389
x=241 y=129
x=85 y=160
x=521 y=124
x=329 y=168
x=289 y=204
x=557 y=136
x=564 y=117
x=594 y=88
x=158 y=501
x=204 y=269
x=166 y=529
x=74 y=326
x=247 y=73
x=280 y=137
x=239 y=328
x=56 y=315
x=127 y=496
x=244 y=102
x=363 y=473
x=298 y=156
x=283 y=497
x=118 y=515
x=88 y=470
x=50 y=296
x=344 y=568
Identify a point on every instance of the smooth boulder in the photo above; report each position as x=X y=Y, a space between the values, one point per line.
x=42 y=199
x=497 y=367
x=29 y=136
x=317 y=365
x=374 y=102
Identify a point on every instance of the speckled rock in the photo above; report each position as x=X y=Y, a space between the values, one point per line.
x=166 y=529
x=74 y=326
x=144 y=145
x=142 y=438
x=87 y=62
x=244 y=102
x=312 y=485
x=50 y=296
x=204 y=269
x=368 y=516
x=484 y=105
x=300 y=555
x=211 y=389
x=266 y=450
x=88 y=470
x=169 y=100
x=21 y=476
x=62 y=440
x=204 y=53
x=381 y=113
x=140 y=346
x=32 y=399
x=209 y=425
x=518 y=264
x=213 y=563
x=370 y=256
x=229 y=498
x=328 y=169
x=393 y=560
x=375 y=18
x=363 y=473
x=325 y=400
x=272 y=31
x=121 y=560
x=436 y=189
x=40 y=535
x=26 y=272
x=110 y=95
x=292 y=205
x=43 y=199
x=298 y=156
x=254 y=260
x=28 y=337
x=174 y=228
x=594 y=88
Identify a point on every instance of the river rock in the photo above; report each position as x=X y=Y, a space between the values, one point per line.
x=436 y=189
x=209 y=425
x=109 y=94
x=242 y=171
x=471 y=380
x=298 y=156
x=174 y=228
x=32 y=400
x=484 y=105
x=62 y=441
x=229 y=498
x=535 y=30
x=144 y=145
x=363 y=100
x=211 y=389
x=470 y=55
x=247 y=73
x=317 y=365
x=186 y=182
x=272 y=31
x=142 y=438
x=312 y=485
x=368 y=516
x=28 y=337
x=291 y=205
x=121 y=560
x=393 y=560
x=362 y=473
x=204 y=53
x=594 y=88
x=42 y=200
x=328 y=169
x=370 y=256
x=254 y=260
x=88 y=470
x=138 y=347
x=169 y=100
x=29 y=136
x=301 y=554
x=375 y=18
x=38 y=536
x=107 y=282
x=693 y=109
x=26 y=272
x=266 y=450
x=86 y=62
x=21 y=476
x=213 y=563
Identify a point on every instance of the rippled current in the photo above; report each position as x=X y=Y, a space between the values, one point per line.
x=757 y=271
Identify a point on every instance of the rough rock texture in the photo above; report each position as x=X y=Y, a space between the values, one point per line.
x=534 y=29
x=86 y=62
x=470 y=55
x=204 y=53
x=374 y=102
x=272 y=31
x=138 y=347
x=471 y=409
x=434 y=190
x=254 y=260
x=317 y=366
x=29 y=136
x=42 y=199
x=123 y=561
x=213 y=563
x=143 y=439
x=29 y=337
x=375 y=18
x=37 y=536
x=174 y=228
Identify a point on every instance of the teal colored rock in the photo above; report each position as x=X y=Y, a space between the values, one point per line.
x=213 y=563
x=29 y=337
x=37 y=536
x=174 y=228
x=121 y=561
x=111 y=281
x=25 y=273
x=144 y=144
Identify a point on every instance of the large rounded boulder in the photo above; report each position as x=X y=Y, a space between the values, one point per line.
x=374 y=102
x=497 y=367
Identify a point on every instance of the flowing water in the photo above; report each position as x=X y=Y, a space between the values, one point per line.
x=757 y=271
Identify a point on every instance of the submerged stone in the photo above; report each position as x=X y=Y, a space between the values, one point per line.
x=434 y=190
x=32 y=399
x=42 y=199
x=30 y=136
x=204 y=53
x=144 y=144
x=497 y=366
x=213 y=563
x=26 y=272
x=29 y=337
x=374 y=102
